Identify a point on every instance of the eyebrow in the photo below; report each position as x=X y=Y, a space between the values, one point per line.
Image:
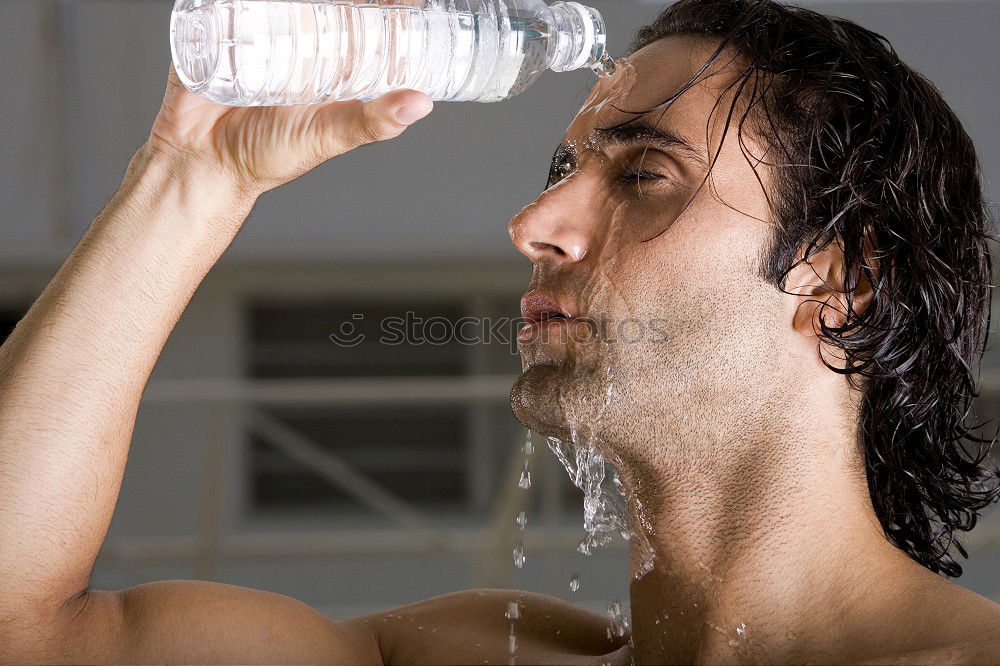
x=639 y=133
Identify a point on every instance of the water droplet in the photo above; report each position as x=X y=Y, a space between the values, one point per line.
x=519 y=556
x=646 y=565
x=741 y=630
x=574 y=582
x=529 y=447
x=606 y=66
x=521 y=520
x=513 y=613
x=525 y=481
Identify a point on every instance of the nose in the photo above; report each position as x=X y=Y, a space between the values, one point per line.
x=557 y=226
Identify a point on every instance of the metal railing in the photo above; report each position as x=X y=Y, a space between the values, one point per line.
x=416 y=532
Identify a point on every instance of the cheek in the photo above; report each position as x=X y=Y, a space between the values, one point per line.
x=645 y=211
x=712 y=247
x=697 y=289
x=628 y=256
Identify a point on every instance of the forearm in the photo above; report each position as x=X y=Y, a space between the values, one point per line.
x=73 y=371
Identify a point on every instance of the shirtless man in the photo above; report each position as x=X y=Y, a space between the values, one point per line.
x=793 y=441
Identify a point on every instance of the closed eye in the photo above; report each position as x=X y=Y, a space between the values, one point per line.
x=635 y=171
x=634 y=176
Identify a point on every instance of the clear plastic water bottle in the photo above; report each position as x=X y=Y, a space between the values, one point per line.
x=279 y=52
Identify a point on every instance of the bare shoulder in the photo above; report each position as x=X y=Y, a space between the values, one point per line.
x=975 y=648
x=960 y=627
x=474 y=626
x=980 y=642
x=975 y=622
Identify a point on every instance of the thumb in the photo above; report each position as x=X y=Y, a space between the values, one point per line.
x=380 y=119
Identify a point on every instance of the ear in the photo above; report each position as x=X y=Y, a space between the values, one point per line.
x=820 y=287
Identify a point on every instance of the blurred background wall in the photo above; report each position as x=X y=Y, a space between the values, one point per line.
x=356 y=479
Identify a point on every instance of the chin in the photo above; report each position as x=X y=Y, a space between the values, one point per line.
x=535 y=400
x=563 y=389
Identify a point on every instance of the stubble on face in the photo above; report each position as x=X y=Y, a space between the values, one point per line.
x=675 y=258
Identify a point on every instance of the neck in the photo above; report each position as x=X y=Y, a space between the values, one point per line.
x=760 y=557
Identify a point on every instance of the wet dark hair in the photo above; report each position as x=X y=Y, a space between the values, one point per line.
x=865 y=154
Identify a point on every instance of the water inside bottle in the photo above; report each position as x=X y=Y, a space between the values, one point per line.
x=255 y=52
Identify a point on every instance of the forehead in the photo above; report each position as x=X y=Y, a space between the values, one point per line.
x=654 y=74
x=697 y=122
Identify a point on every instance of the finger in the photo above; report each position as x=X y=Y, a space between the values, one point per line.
x=378 y=120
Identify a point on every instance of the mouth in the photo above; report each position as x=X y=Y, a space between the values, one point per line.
x=540 y=311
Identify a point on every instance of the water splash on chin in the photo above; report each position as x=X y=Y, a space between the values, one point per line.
x=606 y=501
x=609 y=507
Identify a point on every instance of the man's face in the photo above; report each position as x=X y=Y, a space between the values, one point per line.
x=688 y=334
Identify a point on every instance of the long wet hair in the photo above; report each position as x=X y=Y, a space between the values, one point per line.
x=864 y=153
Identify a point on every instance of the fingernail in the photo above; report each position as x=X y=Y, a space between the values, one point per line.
x=411 y=113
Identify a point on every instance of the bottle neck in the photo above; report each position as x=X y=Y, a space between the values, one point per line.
x=577 y=37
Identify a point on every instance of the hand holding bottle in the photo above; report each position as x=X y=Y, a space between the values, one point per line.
x=260 y=148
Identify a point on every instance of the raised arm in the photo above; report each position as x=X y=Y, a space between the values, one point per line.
x=73 y=371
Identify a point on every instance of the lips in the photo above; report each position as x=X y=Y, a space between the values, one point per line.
x=542 y=310
x=539 y=306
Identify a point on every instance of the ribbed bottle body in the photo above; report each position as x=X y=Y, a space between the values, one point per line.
x=278 y=52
